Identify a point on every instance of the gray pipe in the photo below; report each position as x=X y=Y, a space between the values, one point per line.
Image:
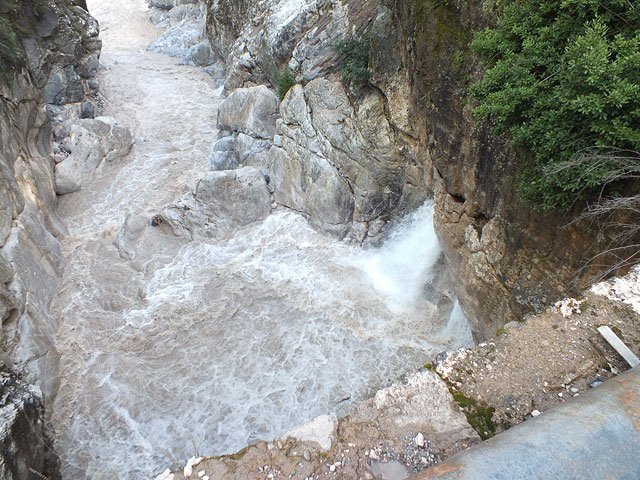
x=594 y=436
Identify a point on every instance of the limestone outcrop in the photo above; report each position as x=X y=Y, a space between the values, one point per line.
x=183 y=22
x=88 y=143
x=334 y=153
x=51 y=62
x=351 y=157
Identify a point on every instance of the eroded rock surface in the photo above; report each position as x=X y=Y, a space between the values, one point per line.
x=89 y=143
x=54 y=61
x=24 y=441
x=223 y=201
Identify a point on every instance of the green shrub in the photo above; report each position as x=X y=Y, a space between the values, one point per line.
x=285 y=81
x=563 y=82
x=353 y=55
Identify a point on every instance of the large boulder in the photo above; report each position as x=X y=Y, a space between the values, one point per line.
x=222 y=202
x=89 y=143
x=337 y=164
x=252 y=111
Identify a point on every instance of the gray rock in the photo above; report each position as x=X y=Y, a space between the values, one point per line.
x=223 y=155
x=24 y=443
x=251 y=150
x=422 y=403
x=88 y=110
x=169 y=4
x=308 y=183
x=222 y=202
x=178 y=40
x=129 y=233
x=200 y=54
x=89 y=143
x=252 y=111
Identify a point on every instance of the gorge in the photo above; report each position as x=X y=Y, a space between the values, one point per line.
x=191 y=264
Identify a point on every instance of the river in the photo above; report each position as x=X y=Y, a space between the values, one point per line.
x=170 y=348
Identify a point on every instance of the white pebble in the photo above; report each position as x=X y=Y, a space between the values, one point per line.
x=535 y=413
x=419 y=440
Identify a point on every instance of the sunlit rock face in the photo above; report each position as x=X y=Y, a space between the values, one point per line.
x=409 y=134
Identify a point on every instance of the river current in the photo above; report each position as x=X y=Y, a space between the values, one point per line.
x=172 y=348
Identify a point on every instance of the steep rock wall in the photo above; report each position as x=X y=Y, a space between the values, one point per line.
x=54 y=61
x=48 y=62
x=505 y=260
x=335 y=154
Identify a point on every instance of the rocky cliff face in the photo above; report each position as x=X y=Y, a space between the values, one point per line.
x=332 y=152
x=24 y=443
x=350 y=158
x=51 y=144
x=506 y=260
x=48 y=65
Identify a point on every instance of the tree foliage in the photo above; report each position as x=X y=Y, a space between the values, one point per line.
x=563 y=82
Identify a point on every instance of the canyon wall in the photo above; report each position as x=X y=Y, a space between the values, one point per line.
x=52 y=73
x=350 y=157
x=48 y=61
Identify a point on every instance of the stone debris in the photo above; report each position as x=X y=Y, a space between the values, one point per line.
x=188 y=468
x=550 y=357
x=166 y=475
x=625 y=289
x=568 y=306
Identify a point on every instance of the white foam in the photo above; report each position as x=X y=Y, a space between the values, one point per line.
x=400 y=269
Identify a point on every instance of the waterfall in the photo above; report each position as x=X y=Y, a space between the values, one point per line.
x=401 y=267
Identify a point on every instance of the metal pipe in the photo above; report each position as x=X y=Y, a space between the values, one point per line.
x=594 y=436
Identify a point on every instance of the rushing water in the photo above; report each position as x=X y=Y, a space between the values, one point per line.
x=175 y=348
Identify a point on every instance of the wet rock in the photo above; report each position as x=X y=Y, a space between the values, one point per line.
x=88 y=144
x=24 y=445
x=223 y=155
x=200 y=54
x=223 y=201
x=252 y=111
x=128 y=235
x=88 y=110
x=169 y=4
x=178 y=40
x=308 y=183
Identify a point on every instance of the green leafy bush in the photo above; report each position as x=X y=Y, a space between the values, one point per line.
x=354 y=60
x=285 y=81
x=563 y=82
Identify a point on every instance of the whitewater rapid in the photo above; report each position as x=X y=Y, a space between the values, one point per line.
x=171 y=348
